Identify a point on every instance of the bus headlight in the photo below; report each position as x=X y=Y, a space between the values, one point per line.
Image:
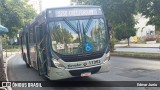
x=58 y=64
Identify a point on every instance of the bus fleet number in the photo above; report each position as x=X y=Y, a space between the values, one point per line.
x=94 y=62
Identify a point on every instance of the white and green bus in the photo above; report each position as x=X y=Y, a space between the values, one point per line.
x=67 y=42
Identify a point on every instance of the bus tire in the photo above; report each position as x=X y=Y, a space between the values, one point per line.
x=45 y=78
x=25 y=59
x=27 y=65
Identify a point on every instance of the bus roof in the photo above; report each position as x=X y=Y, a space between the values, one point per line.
x=75 y=6
x=64 y=8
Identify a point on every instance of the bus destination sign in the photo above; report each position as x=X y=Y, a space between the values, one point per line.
x=70 y=12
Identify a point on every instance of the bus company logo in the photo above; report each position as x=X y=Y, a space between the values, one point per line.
x=74 y=65
x=85 y=64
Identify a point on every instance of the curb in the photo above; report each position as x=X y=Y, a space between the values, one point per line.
x=141 y=56
x=7 y=59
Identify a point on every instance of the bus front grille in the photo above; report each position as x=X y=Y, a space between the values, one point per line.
x=81 y=58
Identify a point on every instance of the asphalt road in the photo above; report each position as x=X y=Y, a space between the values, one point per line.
x=150 y=50
x=122 y=69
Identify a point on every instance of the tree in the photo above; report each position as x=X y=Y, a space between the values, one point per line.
x=150 y=9
x=119 y=13
x=124 y=31
x=15 y=14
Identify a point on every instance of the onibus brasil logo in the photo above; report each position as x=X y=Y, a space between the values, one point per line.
x=19 y=84
x=5 y=85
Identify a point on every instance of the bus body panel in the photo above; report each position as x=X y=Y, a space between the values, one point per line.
x=55 y=74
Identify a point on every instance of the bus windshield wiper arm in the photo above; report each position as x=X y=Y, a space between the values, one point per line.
x=88 y=24
x=70 y=25
x=84 y=33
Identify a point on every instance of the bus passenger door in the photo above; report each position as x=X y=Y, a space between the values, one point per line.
x=32 y=45
x=41 y=60
x=26 y=49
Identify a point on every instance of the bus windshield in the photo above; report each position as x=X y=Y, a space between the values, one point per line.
x=70 y=37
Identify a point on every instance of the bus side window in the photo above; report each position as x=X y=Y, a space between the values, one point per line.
x=35 y=33
x=31 y=36
x=38 y=33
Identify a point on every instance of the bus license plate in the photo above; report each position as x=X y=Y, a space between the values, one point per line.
x=85 y=74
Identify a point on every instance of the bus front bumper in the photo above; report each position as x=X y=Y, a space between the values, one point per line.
x=56 y=74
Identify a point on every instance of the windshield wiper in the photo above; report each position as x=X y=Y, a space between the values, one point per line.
x=88 y=24
x=76 y=30
x=84 y=33
x=71 y=26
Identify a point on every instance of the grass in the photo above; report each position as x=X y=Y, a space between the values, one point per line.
x=137 y=55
